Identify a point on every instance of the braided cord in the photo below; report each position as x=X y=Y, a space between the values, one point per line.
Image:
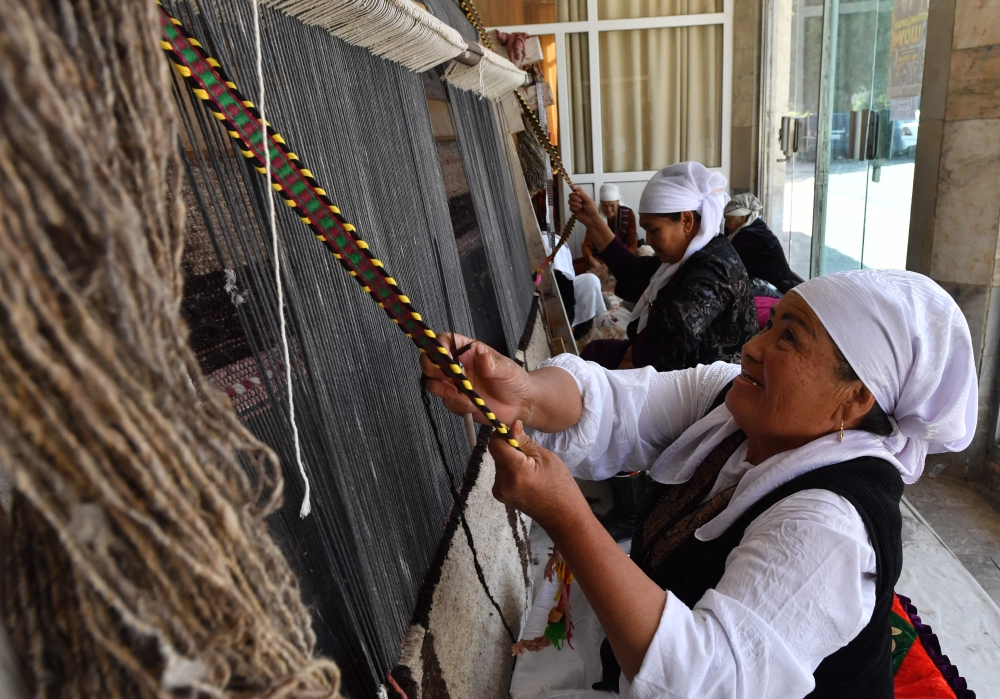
x=472 y=14
x=300 y=191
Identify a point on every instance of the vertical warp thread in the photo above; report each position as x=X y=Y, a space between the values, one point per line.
x=259 y=55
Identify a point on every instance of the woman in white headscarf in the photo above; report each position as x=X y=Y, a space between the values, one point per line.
x=764 y=561
x=756 y=245
x=692 y=301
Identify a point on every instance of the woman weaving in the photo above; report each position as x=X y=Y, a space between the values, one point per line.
x=692 y=300
x=774 y=522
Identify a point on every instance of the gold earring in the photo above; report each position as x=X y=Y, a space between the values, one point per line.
x=841 y=429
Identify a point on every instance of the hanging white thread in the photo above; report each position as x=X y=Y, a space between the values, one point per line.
x=306 y=506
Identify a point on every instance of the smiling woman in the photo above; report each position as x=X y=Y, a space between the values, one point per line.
x=766 y=551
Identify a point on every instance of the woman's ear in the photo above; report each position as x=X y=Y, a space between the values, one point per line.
x=859 y=403
x=687 y=220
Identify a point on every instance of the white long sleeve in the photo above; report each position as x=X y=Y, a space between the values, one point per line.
x=629 y=417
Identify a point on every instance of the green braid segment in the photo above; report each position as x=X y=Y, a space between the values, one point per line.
x=300 y=191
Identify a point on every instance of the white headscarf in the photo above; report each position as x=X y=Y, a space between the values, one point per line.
x=686 y=186
x=908 y=342
x=610 y=192
x=744 y=204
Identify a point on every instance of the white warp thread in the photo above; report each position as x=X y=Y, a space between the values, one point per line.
x=405 y=33
x=397 y=30
x=306 y=506
x=493 y=77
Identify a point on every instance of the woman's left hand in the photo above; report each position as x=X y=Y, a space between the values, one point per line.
x=534 y=480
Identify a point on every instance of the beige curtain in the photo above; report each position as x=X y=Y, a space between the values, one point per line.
x=571 y=10
x=578 y=57
x=629 y=9
x=661 y=96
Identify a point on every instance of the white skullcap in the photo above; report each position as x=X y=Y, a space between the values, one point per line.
x=909 y=343
x=609 y=192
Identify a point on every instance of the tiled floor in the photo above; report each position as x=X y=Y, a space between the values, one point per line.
x=966 y=522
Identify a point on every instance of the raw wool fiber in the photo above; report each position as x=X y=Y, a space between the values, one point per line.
x=136 y=560
x=493 y=77
x=458 y=643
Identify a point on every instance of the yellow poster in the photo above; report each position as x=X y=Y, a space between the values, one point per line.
x=906 y=55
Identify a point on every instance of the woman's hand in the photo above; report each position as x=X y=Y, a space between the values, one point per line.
x=500 y=381
x=585 y=209
x=536 y=482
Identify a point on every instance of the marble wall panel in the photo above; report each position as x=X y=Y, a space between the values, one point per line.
x=977 y=23
x=924 y=198
x=972 y=84
x=967 y=215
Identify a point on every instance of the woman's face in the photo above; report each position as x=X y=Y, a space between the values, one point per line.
x=789 y=392
x=609 y=208
x=733 y=223
x=669 y=239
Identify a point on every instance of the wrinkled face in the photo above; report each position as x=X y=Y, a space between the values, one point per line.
x=669 y=239
x=609 y=208
x=733 y=223
x=789 y=392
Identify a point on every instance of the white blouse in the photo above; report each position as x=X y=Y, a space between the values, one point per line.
x=800 y=585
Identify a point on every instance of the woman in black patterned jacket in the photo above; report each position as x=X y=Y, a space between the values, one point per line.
x=693 y=300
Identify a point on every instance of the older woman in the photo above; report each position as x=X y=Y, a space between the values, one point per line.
x=764 y=561
x=756 y=245
x=692 y=301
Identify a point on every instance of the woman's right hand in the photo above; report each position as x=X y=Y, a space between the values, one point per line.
x=584 y=208
x=500 y=381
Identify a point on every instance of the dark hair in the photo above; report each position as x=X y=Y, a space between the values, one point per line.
x=676 y=216
x=876 y=421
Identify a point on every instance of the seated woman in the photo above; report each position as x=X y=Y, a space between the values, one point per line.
x=620 y=220
x=581 y=293
x=757 y=245
x=764 y=561
x=692 y=301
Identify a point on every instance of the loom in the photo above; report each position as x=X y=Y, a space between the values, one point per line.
x=391 y=585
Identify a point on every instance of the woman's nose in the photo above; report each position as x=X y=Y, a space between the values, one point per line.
x=754 y=347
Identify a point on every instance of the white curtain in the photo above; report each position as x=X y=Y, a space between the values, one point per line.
x=661 y=95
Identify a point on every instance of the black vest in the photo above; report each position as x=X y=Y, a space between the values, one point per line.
x=862 y=668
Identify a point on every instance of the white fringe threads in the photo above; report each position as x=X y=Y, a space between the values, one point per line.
x=493 y=77
x=405 y=33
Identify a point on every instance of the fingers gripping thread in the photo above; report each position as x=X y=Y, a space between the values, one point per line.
x=300 y=191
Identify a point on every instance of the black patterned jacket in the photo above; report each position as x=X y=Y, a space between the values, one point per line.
x=705 y=313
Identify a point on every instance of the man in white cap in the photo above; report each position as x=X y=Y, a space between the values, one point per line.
x=621 y=220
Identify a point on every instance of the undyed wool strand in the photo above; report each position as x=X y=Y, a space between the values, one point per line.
x=136 y=561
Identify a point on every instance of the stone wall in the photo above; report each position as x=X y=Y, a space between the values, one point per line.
x=955 y=216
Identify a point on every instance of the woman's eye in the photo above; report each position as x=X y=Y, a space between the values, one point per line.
x=788 y=336
x=769 y=325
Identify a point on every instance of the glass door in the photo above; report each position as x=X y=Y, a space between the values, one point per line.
x=844 y=95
